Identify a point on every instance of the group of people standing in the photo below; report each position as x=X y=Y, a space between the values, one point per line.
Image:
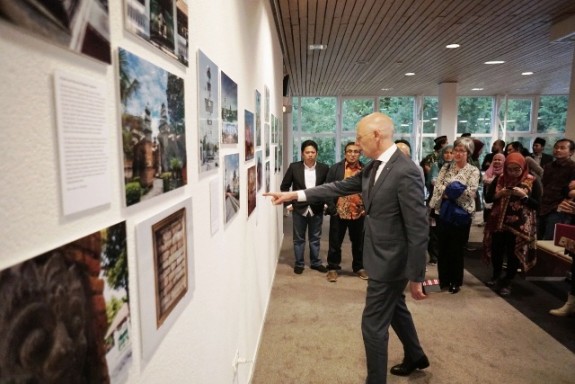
x=524 y=196
x=393 y=226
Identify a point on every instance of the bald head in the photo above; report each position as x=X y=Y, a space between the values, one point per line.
x=374 y=134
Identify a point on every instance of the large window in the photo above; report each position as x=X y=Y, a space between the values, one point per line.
x=517 y=118
x=353 y=110
x=474 y=115
x=430 y=112
x=400 y=109
x=552 y=116
x=315 y=118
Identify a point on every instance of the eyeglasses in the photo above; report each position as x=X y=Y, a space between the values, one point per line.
x=352 y=151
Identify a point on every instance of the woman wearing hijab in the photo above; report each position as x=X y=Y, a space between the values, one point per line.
x=453 y=237
x=511 y=228
x=495 y=169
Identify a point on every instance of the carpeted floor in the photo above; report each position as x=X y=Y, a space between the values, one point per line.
x=533 y=299
x=312 y=331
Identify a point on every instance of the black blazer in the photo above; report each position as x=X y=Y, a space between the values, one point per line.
x=545 y=159
x=295 y=179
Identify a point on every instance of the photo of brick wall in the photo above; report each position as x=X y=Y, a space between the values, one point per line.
x=170 y=263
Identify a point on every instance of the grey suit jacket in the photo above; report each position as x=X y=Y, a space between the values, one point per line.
x=396 y=225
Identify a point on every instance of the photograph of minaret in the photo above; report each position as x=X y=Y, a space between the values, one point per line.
x=153 y=128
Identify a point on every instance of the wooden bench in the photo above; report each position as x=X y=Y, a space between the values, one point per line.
x=552 y=262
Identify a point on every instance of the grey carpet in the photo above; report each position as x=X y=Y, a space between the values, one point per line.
x=312 y=333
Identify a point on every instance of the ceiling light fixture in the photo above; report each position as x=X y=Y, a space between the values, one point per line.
x=452 y=46
x=527 y=73
x=495 y=62
x=410 y=74
x=317 y=47
x=386 y=89
x=477 y=89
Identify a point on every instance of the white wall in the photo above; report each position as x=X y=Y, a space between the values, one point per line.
x=234 y=269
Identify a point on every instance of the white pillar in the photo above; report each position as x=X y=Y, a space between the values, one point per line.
x=447 y=119
x=570 y=124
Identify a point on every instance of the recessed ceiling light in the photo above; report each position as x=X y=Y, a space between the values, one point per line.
x=451 y=46
x=477 y=89
x=495 y=62
x=527 y=73
x=386 y=89
x=317 y=47
x=410 y=74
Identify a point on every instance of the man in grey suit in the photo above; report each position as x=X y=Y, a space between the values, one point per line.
x=395 y=242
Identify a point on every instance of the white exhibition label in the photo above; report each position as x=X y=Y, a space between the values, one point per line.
x=84 y=142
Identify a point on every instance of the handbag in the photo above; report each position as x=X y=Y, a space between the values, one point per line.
x=453 y=214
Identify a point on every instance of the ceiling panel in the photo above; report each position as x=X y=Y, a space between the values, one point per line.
x=371 y=44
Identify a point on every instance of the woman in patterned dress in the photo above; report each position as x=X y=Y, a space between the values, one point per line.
x=452 y=239
x=511 y=228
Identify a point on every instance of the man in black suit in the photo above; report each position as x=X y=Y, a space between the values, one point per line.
x=301 y=175
x=540 y=158
x=395 y=241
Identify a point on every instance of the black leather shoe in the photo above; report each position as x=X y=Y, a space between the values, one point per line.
x=406 y=368
x=319 y=268
x=297 y=270
x=455 y=289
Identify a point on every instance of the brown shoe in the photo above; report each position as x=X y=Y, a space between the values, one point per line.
x=332 y=275
x=362 y=274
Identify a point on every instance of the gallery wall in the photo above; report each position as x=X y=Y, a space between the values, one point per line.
x=212 y=336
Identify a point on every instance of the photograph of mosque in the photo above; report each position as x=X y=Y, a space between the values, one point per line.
x=153 y=128
x=249 y=135
x=79 y=25
x=66 y=315
x=229 y=110
x=251 y=189
x=162 y=23
x=258 y=119
x=231 y=186
x=208 y=114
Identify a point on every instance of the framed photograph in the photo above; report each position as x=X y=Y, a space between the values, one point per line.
x=170 y=263
x=153 y=128
x=162 y=23
x=82 y=26
x=229 y=110
x=266 y=104
x=259 y=170
x=231 y=186
x=208 y=114
x=66 y=313
x=249 y=134
x=267 y=173
x=258 y=119
x=165 y=272
x=267 y=139
x=251 y=189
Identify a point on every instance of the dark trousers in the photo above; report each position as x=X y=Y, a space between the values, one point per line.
x=433 y=244
x=385 y=306
x=452 y=241
x=313 y=226
x=503 y=244
x=337 y=229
